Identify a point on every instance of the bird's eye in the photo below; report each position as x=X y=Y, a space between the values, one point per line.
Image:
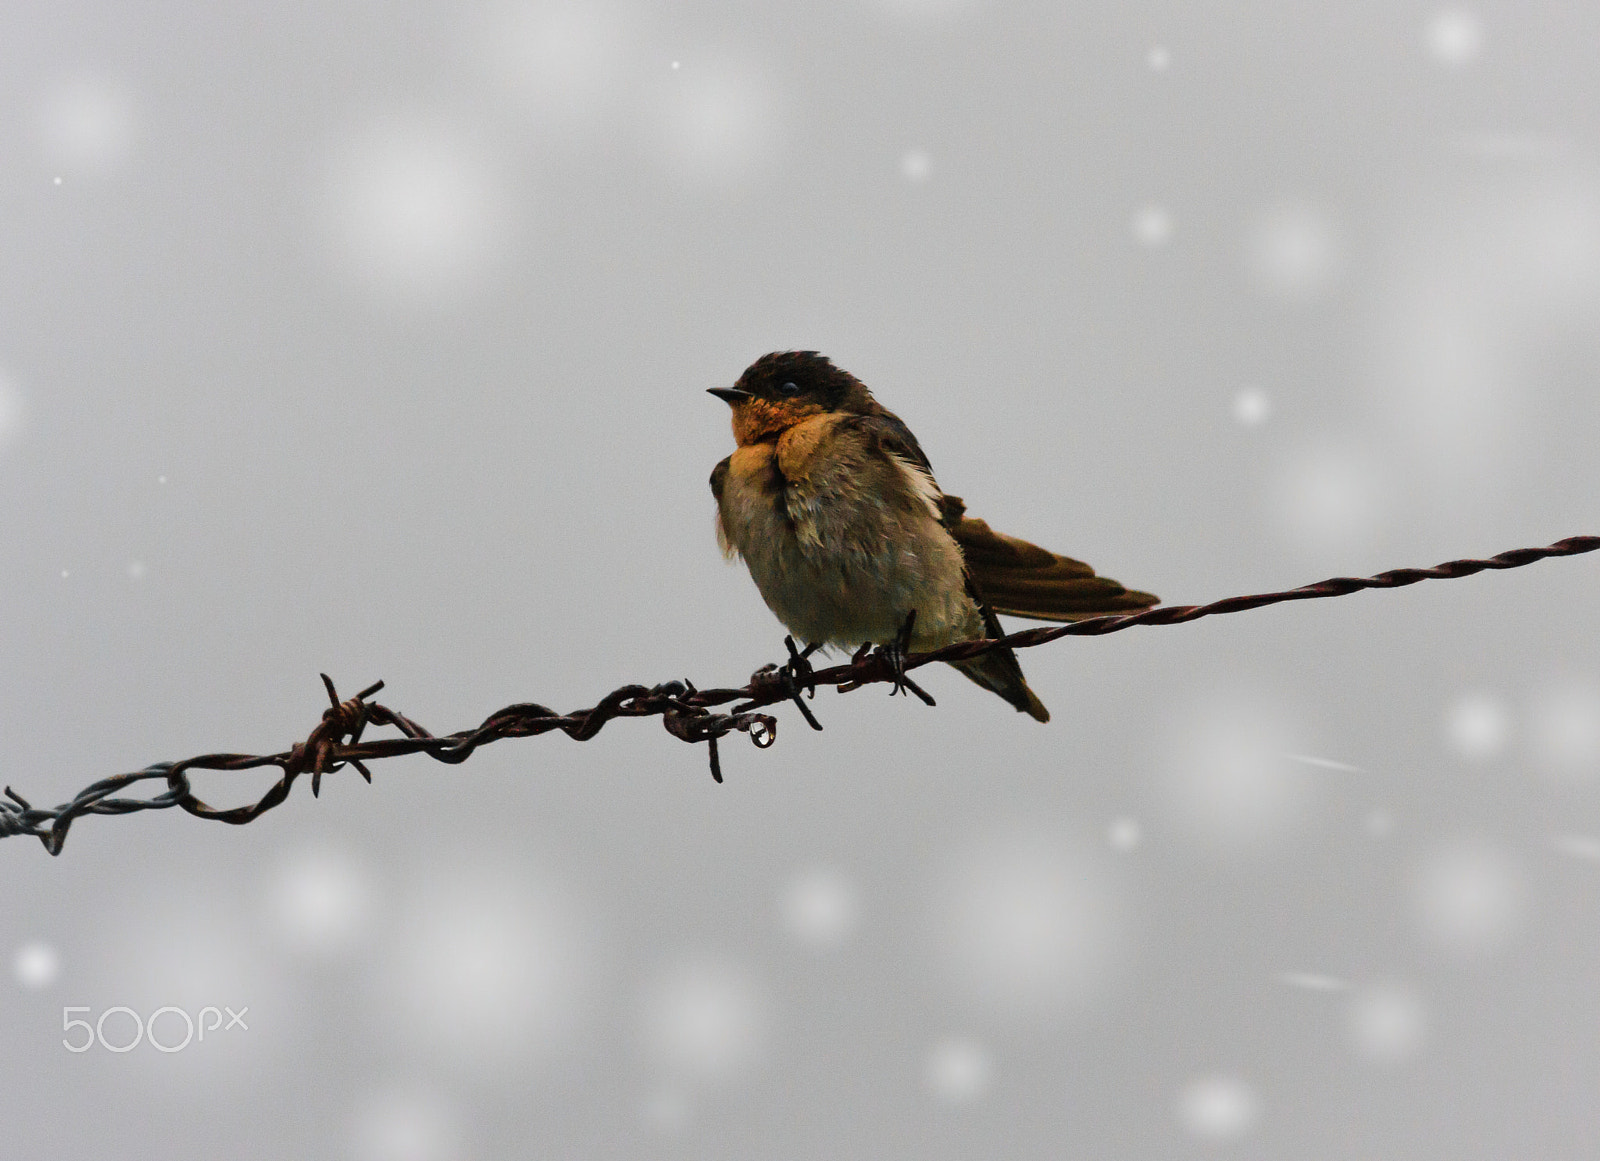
x=789 y=389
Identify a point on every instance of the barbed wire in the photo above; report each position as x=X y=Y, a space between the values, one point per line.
x=686 y=712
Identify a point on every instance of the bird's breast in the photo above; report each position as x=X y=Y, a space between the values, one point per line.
x=837 y=552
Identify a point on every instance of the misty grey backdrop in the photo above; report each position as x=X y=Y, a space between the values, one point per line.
x=373 y=338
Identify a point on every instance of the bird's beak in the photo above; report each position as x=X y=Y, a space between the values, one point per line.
x=729 y=395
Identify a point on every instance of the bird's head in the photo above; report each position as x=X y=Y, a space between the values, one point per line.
x=780 y=390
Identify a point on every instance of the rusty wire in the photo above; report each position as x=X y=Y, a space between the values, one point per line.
x=685 y=711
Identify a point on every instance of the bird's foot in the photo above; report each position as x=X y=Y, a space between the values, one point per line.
x=895 y=654
x=793 y=676
x=798 y=667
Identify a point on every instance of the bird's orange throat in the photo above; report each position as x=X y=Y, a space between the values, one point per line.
x=759 y=420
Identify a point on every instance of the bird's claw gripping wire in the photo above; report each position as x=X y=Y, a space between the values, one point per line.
x=893 y=657
x=794 y=676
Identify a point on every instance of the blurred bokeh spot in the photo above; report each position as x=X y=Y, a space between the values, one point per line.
x=488 y=966
x=320 y=901
x=707 y=1020
x=36 y=964
x=85 y=125
x=1251 y=407
x=720 y=121
x=1228 y=780
x=1468 y=895
x=415 y=212
x=1454 y=37
x=566 y=64
x=406 y=1123
x=1294 y=252
x=821 y=908
x=1124 y=834
x=1564 y=730
x=916 y=166
x=958 y=1070
x=1153 y=225
x=1477 y=726
x=1031 y=925
x=1328 y=497
x=1215 y=1108
x=1387 y=1023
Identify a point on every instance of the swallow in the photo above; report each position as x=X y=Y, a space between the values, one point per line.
x=832 y=505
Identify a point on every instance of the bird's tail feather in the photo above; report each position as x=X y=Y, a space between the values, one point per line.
x=998 y=672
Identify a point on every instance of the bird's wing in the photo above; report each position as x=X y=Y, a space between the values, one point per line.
x=719 y=476
x=885 y=432
x=1023 y=580
x=892 y=435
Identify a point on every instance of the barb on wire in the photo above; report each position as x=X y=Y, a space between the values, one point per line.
x=686 y=712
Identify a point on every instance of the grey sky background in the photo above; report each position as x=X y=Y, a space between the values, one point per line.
x=372 y=339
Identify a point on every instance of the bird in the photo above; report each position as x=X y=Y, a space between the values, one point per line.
x=832 y=505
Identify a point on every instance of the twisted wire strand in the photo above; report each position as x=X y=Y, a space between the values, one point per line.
x=687 y=713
